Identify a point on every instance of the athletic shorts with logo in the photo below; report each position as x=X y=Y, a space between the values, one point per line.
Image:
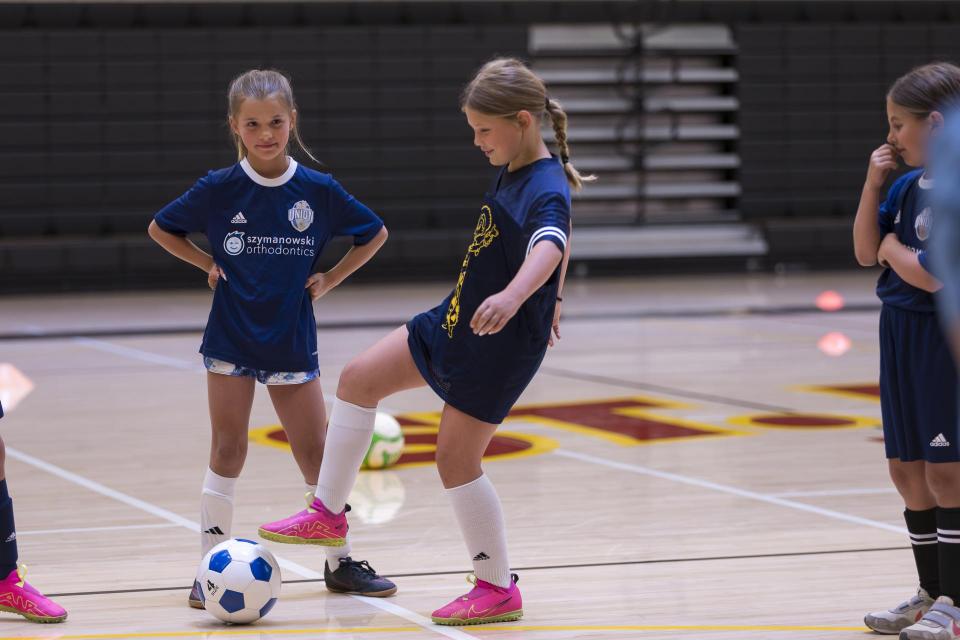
x=918 y=388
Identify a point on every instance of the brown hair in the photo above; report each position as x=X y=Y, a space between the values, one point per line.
x=932 y=87
x=505 y=86
x=262 y=84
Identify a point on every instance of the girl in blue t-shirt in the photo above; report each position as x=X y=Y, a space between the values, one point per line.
x=479 y=348
x=918 y=378
x=267 y=219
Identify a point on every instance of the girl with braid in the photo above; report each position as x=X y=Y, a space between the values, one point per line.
x=479 y=348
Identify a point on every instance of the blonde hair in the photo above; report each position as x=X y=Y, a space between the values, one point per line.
x=505 y=86
x=262 y=84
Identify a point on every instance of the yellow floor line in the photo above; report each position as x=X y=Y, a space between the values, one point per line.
x=260 y=630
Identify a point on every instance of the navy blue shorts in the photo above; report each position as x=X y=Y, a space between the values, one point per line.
x=918 y=388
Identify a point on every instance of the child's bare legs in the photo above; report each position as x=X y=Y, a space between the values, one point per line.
x=910 y=479
x=382 y=370
x=304 y=417
x=460 y=446
x=230 y=399
x=943 y=480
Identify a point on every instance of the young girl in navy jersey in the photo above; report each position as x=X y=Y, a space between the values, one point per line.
x=16 y=594
x=918 y=378
x=267 y=219
x=479 y=348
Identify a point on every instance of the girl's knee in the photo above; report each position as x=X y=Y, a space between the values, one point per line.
x=227 y=456
x=944 y=482
x=355 y=384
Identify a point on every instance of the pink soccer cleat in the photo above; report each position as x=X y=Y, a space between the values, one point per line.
x=18 y=596
x=315 y=525
x=485 y=603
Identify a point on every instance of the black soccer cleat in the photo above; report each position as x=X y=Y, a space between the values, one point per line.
x=357 y=578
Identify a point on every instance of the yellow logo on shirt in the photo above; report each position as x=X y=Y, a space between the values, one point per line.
x=483 y=237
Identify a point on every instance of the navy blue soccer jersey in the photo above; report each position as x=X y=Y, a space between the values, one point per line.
x=908 y=212
x=484 y=375
x=266 y=234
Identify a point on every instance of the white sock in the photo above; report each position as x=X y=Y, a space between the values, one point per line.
x=216 y=510
x=348 y=438
x=335 y=553
x=477 y=508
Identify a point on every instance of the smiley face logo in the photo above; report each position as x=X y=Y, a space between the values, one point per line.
x=233 y=243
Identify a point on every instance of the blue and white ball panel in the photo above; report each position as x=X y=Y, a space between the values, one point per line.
x=240 y=581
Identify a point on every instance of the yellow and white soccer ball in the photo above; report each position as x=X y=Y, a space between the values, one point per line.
x=386 y=445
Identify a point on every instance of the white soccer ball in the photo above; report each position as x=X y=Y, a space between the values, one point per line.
x=386 y=445
x=239 y=581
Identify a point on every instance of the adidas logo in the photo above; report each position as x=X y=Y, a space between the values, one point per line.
x=212 y=588
x=481 y=556
x=939 y=441
x=239 y=219
x=897 y=219
x=215 y=531
x=11 y=537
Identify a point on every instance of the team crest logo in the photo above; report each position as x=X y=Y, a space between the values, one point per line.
x=923 y=223
x=300 y=216
x=233 y=243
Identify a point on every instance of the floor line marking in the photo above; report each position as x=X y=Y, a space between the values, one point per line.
x=170 y=516
x=715 y=486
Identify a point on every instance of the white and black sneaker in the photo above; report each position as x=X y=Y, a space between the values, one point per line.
x=895 y=620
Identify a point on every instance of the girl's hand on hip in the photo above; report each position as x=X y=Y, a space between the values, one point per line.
x=214 y=275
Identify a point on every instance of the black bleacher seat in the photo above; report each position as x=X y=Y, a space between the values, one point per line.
x=271 y=14
x=223 y=15
x=858 y=68
x=865 y=94
x=857 y=39
x=346 y=42
x=56 y=16
x=126 y=75
x=762 y=39
x=185 y=44
x=23 y=76
x=12 y=16
x=22 y=105
x=66 y=73
x=131 y=45
x=807 y=39
x=84 y=104
x=111 y=16
x=303 y=43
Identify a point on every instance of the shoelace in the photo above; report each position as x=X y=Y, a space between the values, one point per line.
x=363 y=566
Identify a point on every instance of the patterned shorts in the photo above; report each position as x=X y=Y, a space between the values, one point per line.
x=263 y=377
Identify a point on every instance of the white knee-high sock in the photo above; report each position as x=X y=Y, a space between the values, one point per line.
x=348 y=438
x=480 y=517
x=333 y=553
x=216 y=510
